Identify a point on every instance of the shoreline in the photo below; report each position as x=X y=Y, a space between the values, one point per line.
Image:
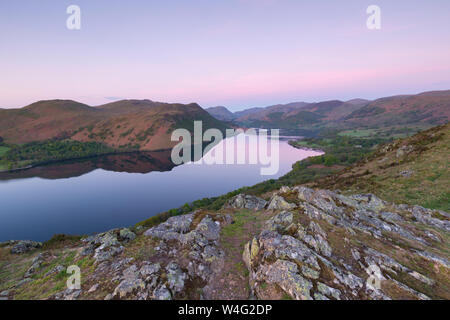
x=79 y=158
x=292 y=144
x=135 y=225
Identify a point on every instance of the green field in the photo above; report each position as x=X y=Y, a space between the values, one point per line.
x=3 y=150
x=383 y=132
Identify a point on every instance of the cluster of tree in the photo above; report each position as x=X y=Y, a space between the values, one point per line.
x=50 y=151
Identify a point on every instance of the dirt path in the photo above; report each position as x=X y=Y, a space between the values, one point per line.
x=232 y=282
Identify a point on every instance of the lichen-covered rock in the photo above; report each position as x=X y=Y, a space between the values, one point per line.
x=200 y=244
x=280 y=221
x=328 y=291
x=105 y=252
x=127 y=235
x=251 y=250
x=285 y=274
x=335 y=246
x=148 y=269
x=20 y=247
x=175 y=277
x=209 y=228
x=172 y=229
x=309 y=272
x=36 y=264
x=279 y=203
x=130 y=284
x=245 y=201
x=162 y=293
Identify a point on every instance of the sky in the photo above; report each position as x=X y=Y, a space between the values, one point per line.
x=235 y=53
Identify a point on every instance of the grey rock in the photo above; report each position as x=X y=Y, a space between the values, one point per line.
x=244 y=201
x=36 y=265
x=172 y=229
x=25 y=246
x=149 y=269
x=4 y=293
x=22 y=282
x=319 y=296
x=71 y=294
x=328 y=291
x=404 y=150
x=175 y=277
x=127 y=235
x=56 y=270
x=285 y=274
x=280 y=221
x=93 y=288
x=406 y=173
x=102 y=254
x=279 y=203
x=162 y=293
x=209 y=229
x=130 y=284
x=310 y=273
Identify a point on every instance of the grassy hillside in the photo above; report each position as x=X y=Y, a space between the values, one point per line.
x=48 y=131
x=413 y=170
x=126 y=124
x=430 y=108
x=396 y=116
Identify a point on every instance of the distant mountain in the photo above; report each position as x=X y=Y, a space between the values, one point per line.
x=297 y=115
x=221 y=113
x=137 y=124
x=432 y=108
x=358 y=102
x=422 y=110
x=246 y=112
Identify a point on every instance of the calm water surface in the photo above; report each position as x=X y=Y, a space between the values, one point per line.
x=91 y=196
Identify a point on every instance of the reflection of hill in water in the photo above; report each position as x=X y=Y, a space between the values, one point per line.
x=137 y=162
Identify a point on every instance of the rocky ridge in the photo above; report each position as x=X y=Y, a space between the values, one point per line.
x=308 y=244
x=323 y=245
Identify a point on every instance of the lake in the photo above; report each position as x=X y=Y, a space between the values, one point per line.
x=95 y=195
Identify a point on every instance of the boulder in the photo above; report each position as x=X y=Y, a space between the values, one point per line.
x=285 y=274
x=175 y=277
x=127 y=235
x=25 y=246
x=149 y=269
x=162 y=293
x=278 y=203
x=209 y=228
x=130 y=284
x=245 y=201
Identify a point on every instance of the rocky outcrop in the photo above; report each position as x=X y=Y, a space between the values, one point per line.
x=330 y=246
x=106 y=245
x=245 y=201
x=20 y=247
x=36 y=263
x=199 y=243
x=278 y=203
x=303 y=244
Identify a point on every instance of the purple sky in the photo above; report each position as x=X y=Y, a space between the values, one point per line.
x=237 y=53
